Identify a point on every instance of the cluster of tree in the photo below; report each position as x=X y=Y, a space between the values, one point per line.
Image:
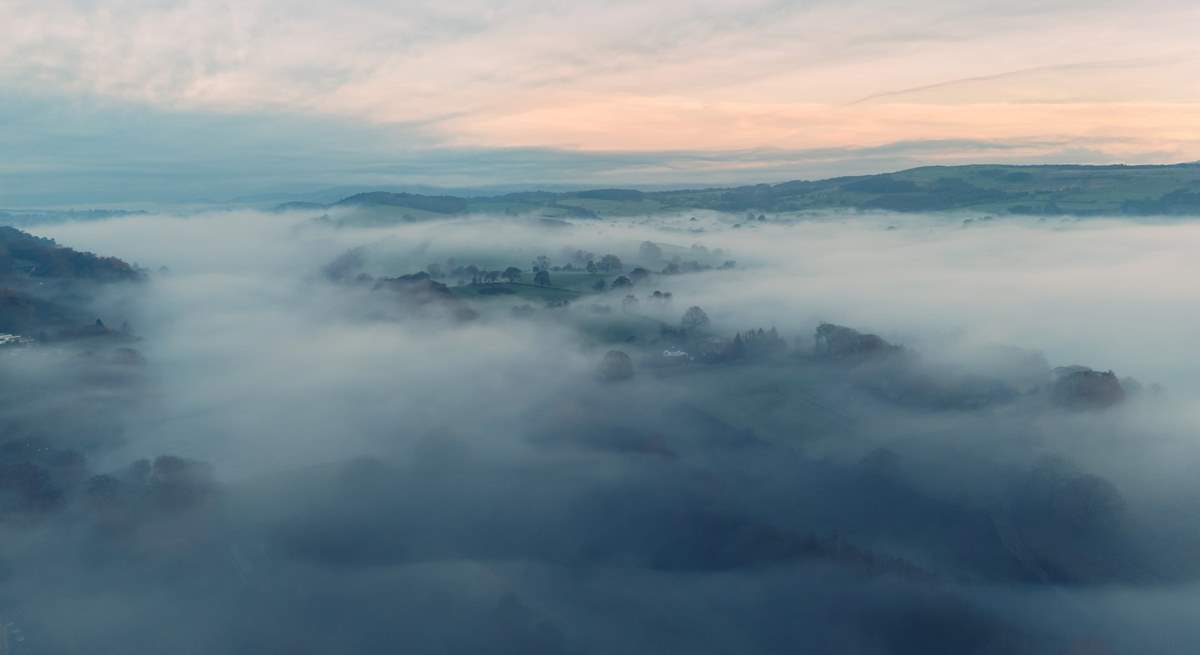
x=650 y=252
x=624 y=281
x=677 y=266
x=579 y=258
x=695 y=318
x=838 y=341
x=511 y=274
x=757 y=344
x=607 y=264
x=38 y=479
x=1074 y=526
x=421 y=294
x=1079 y=387
x=168 y=483
x=631 y=302
x=615 y=366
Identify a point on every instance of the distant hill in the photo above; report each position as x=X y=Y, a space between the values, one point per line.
x=434 y=204
x=41 y=216
x=1046 y=190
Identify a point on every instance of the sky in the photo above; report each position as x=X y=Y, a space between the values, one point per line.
x=124 y=101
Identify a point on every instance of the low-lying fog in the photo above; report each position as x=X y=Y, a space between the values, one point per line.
x=392 y=479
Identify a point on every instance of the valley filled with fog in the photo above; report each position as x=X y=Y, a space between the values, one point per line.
x=693 y=432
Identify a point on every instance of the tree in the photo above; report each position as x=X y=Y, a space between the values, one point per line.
x=621 y=282
x=737 y=349
x=638 y=274
x=610 y=264
x=474 y=272
x=591 y=266
x=512 y=274
x=694 y=319
x=541 y=263
x=542 y=278
x=630 y=303
x=616 y=366
x=491 y=276
x=650 y=252
x=600 y=285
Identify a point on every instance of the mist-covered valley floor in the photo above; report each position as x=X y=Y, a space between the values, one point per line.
x=277 y=432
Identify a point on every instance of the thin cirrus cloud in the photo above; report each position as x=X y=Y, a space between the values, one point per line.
x=1110 y=80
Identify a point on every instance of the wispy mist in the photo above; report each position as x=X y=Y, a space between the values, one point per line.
x=388 y=476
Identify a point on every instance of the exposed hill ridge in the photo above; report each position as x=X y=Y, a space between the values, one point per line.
x=1045 y=189
x=45 y=288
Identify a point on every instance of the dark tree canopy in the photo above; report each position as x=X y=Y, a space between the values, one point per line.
x=694 y=318
x=610 y=264
x=616 y=366
x=649 y=251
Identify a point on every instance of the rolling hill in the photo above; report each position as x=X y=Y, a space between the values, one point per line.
x=1046 y=190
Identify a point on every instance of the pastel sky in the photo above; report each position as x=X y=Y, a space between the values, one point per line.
x=154 y=100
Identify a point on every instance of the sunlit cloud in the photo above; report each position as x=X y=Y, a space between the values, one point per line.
x=1119 y=82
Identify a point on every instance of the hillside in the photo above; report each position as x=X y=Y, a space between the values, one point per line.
x=23 y=254
x=1049 y=190
x=46 y=289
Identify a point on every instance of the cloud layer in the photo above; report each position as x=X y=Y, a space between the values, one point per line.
x=388 y=480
